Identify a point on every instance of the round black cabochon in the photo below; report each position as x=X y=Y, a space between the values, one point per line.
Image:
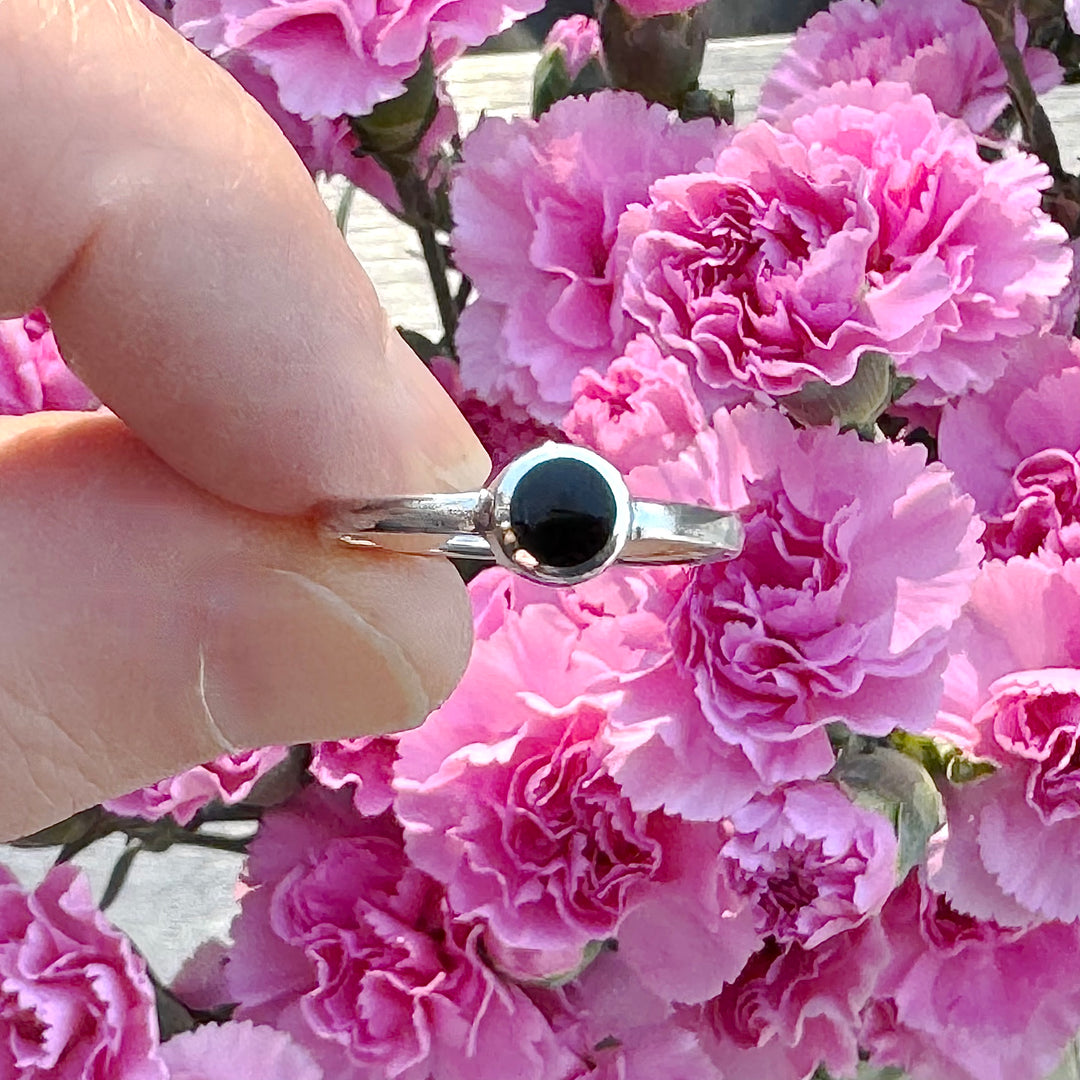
x=562 y=512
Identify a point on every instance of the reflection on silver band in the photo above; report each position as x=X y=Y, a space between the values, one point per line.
x=477 y=524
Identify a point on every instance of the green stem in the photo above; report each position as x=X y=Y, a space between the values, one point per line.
x=463 y=293
x=999 y=15
x=419 y=210
x=236 y=844
x=236 y=812
x=119 y=873
x=438 y=270
x=344 y=209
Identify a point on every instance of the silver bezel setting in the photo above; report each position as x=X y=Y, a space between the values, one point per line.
x=500 y=534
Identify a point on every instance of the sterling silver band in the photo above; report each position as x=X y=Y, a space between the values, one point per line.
x=481 y=524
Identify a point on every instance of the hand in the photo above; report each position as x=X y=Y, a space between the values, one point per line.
x=162 y=596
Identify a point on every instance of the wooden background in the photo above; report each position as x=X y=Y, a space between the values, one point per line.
x=174 y=901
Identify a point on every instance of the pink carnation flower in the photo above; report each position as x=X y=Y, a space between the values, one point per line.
x=237 y=1051
x=620 y=1030
x=364 y=765
x=536 y=206
x=1017 y=451
x=966 y=1000
x=200 y=983
x=577 y=38
x=326 y=144
x=332 y=58
x=505 y=797
x=228 y=779
x=793 y=1009
x=1013 y=698
x=940 y=49
x=799 y=250
x=33 y=375
x=349 y=948
x=857 y=561
x=1072 y=11
x=75 y=999
x=641 y=411
x=816 y=863
x=663 y=750
x=505 y=428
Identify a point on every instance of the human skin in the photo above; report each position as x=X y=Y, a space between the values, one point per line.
x=164 y=592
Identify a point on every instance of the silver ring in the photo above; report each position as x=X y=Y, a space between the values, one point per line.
x=557 y=514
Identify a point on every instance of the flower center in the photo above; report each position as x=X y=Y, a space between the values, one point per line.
x=945 y=926
x=571 y=823
x=27 y=1028
x=784 y=898
x=1046 y=508
x=1033 y=721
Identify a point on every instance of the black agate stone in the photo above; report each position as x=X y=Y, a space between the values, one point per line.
x=562 y=512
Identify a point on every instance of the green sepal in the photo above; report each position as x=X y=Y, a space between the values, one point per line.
x=591 y=951
x=944 y=762
x=660 y=57
x=882 y=779
x=392 y=131
x=854 y=405
x=552 y=82
x=703 y=104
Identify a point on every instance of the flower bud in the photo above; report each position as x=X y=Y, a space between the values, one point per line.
x=392 y=131
x=660 y=56
x=571 y=63
x=855 y=404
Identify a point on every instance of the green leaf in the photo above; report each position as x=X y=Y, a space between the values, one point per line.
x=882 y=779
x=173 y=1016
x=868 y=1072
x=423 y=346
x=932 y=754
x=865 y=1072
x=80 y=830
x=962 y=770
x=344 y=209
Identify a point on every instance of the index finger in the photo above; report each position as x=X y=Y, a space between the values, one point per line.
x=194 y=278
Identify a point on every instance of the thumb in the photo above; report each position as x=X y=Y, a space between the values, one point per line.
x=148 y=626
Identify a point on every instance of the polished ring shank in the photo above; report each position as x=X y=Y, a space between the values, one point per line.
x=659 y=532
x=585 y=522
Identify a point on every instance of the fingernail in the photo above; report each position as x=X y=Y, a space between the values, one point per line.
x=287 y=660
